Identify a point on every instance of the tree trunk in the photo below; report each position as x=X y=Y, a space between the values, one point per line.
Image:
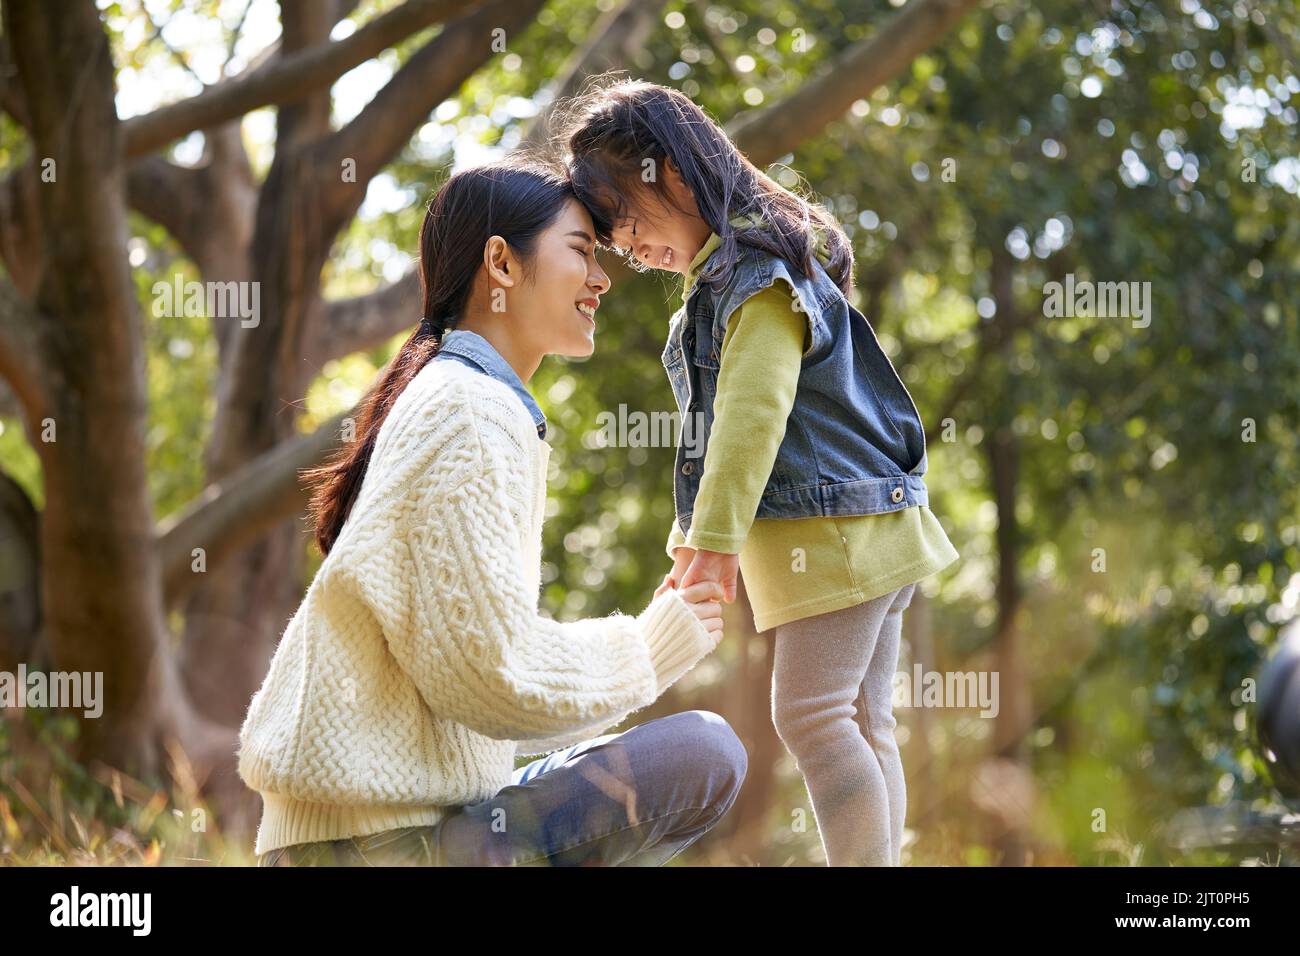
x=1003 y=785
x=100 y=582
x=20 y=597
x=1013 y=715
x=235 y=618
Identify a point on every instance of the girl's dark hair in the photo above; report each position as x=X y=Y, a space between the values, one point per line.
x=516 y=199
x=609 y=130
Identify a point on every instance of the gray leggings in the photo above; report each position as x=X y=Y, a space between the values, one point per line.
x=832 y=707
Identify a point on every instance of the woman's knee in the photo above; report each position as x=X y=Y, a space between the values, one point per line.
x=705 y=739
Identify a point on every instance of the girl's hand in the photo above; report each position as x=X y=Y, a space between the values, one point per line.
x=703 y=599
x=681 y=561
x=713 y=566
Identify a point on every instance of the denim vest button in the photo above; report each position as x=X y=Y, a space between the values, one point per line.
x=688 y=468
x=896 y=495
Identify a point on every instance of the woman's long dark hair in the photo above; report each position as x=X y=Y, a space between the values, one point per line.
x=613 y=126
x=516 y=199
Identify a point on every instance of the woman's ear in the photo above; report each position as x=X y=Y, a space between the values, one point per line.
x=500 y=262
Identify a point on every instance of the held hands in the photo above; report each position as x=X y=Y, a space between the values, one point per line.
x=702 y=598
x=682 y=558
x=691 y=567
x=704 y=578
x=712 y=566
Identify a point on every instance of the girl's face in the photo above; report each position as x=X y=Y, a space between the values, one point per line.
x=566 y=285
x=663 y=237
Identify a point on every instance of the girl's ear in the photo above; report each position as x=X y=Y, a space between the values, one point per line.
x=500 y=262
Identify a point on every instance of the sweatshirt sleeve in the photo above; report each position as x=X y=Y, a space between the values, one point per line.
x=482 y=654
x=758 y=375
x=675 y=539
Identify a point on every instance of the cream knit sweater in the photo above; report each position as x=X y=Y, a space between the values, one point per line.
x=418 y=665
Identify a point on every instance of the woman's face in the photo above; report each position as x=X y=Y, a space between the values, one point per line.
x=566 y=284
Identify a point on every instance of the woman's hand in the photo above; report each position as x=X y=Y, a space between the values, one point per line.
x=703 y=600
x=681 y=561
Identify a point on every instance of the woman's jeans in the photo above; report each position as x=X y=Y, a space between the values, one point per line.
x=632 y=799
x=832 y=706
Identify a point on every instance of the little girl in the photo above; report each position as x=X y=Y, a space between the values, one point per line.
x=813 y=451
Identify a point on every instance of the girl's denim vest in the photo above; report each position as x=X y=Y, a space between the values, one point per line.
x=853 y=444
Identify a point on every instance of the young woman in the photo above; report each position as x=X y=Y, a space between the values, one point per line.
x=418 y=666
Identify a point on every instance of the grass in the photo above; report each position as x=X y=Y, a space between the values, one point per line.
x=56 y=812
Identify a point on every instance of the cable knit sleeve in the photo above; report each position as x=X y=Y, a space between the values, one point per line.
x=479 y=650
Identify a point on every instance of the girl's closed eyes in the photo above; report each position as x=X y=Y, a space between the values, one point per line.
x=670 y=238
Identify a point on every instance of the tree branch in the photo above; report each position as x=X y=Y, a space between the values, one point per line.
x=19 y=352
x=20 y=227
x=236 y=32
x=616 y=37
x=367 y=320
x=168 y=194
x=436 y=71
x=995 y=335
x=284 y=79
x=208 y=208
x=174 y=53
x=12 y=100
x=772 y=131
x=237 y=510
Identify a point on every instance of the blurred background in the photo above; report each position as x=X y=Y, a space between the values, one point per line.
x=1123 y=498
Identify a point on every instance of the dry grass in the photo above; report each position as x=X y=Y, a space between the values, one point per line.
x=56 y=812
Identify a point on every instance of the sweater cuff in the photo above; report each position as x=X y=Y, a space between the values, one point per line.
x=677 y=639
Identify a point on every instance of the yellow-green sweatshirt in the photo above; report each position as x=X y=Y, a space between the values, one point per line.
x=793 y=567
